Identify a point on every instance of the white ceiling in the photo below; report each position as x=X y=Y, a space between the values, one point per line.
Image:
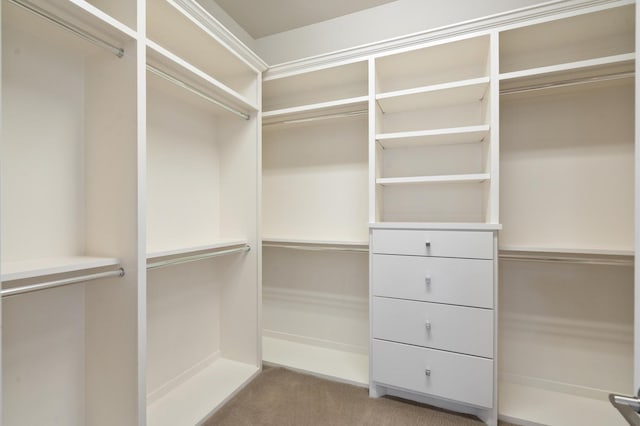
x=265 y=17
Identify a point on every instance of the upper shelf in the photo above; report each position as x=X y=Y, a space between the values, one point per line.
x=175 y=30
x=412 y=180
x=315 y=87
x=584 y=37
x=192 y=77
x=323 y=110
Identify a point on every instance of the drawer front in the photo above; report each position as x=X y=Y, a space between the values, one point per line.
x=458 y=377
x=466 y=282
x=467 y=244
x=451 y=328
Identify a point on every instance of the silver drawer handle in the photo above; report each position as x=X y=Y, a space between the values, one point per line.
x=427 y=244
x=427 y=325
x=427 y=280
x=427 y=372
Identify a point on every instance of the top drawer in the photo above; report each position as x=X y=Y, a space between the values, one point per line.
x=467 y=244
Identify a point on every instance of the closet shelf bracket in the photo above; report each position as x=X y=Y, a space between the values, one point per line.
x=118 y=51
x=59 y=283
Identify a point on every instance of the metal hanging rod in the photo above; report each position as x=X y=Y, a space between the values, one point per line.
x=567 y=259
x=196 y=257
x=195 y=91
x=568 y=83
x=319 y=117
x=317 y=248
x=59 y=283
x=118 y=51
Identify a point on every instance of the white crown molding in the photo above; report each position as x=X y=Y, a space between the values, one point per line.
x=515 y=18
x=222 y=34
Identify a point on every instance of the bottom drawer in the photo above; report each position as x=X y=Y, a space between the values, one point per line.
x=462 y=378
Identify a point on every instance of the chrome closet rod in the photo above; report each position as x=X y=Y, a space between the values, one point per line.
x=195 y=91
x=59 y=283
x=568 y=83
x=319 y=117
x=196 y=257
x=118 y=51
x=564 y=259
x=317 y=248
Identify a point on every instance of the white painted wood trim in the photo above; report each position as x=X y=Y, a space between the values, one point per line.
x=436 y=132
x=302 y=241
x=567 y=250
x=33 y=268
x=315 y=107
x=515 y=18
x=453 y=226
x=188 y=250
x=107 y=19
x=434 y=88
x=222 y=34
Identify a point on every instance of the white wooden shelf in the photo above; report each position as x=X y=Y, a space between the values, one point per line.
x=467 y=178
x=451 y=226
x=586 y=70
x=167 y=61
x=193 y=400
x=221 y=245
x=527 y=405
x=310 y=112
x=456 y=135
x=342 y=366
x=438 y=95
x=303 y=241
x=567 y=250
x=34 y=268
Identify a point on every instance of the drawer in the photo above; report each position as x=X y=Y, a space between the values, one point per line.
x=468 y=244
x=462 y=378
x=451 y=328
x=466 y=282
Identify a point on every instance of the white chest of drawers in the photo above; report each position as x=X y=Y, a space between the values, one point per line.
x=433 y=316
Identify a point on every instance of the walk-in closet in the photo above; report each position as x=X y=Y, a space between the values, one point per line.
x=431 y=204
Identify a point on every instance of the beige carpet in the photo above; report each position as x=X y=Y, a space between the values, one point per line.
x=285 y=398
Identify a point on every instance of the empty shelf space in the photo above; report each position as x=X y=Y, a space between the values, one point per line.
x=522 y=404
x=456 y=135
x=193 y=400
x=34 y=268
x=471 y=178
x=347 y=367
x=459 y=92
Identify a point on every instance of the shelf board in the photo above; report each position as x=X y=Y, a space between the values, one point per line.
x=454 y=135
x=568 y=255
x=459 y=92
x=302 y=241
x=194 y=400
x=456 y=226
x=566 y=250
x=342 y=366
x=221 y=245
x=165 y=60
x=522 y=404
x=304 y=113
x=466 y=178
x=34 y=268
x=585 y=71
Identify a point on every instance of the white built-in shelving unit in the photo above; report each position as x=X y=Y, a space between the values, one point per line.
x=144 y=156
x=315 y=221
x=431 y=134
x=567 y=189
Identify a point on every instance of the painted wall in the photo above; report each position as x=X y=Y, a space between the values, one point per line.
x=391 y=20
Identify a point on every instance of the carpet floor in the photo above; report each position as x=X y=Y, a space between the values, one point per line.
x=286 y=398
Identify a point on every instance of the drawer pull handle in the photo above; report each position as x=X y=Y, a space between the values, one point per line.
x=427 y=244
x=427 y=325
x=427 y=280
x=427 y=372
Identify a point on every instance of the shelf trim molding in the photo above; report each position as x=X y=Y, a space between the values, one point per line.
x=475 y=177
x=222 y=34
x=59 y=283
x=477 y=26
x=85 y=35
